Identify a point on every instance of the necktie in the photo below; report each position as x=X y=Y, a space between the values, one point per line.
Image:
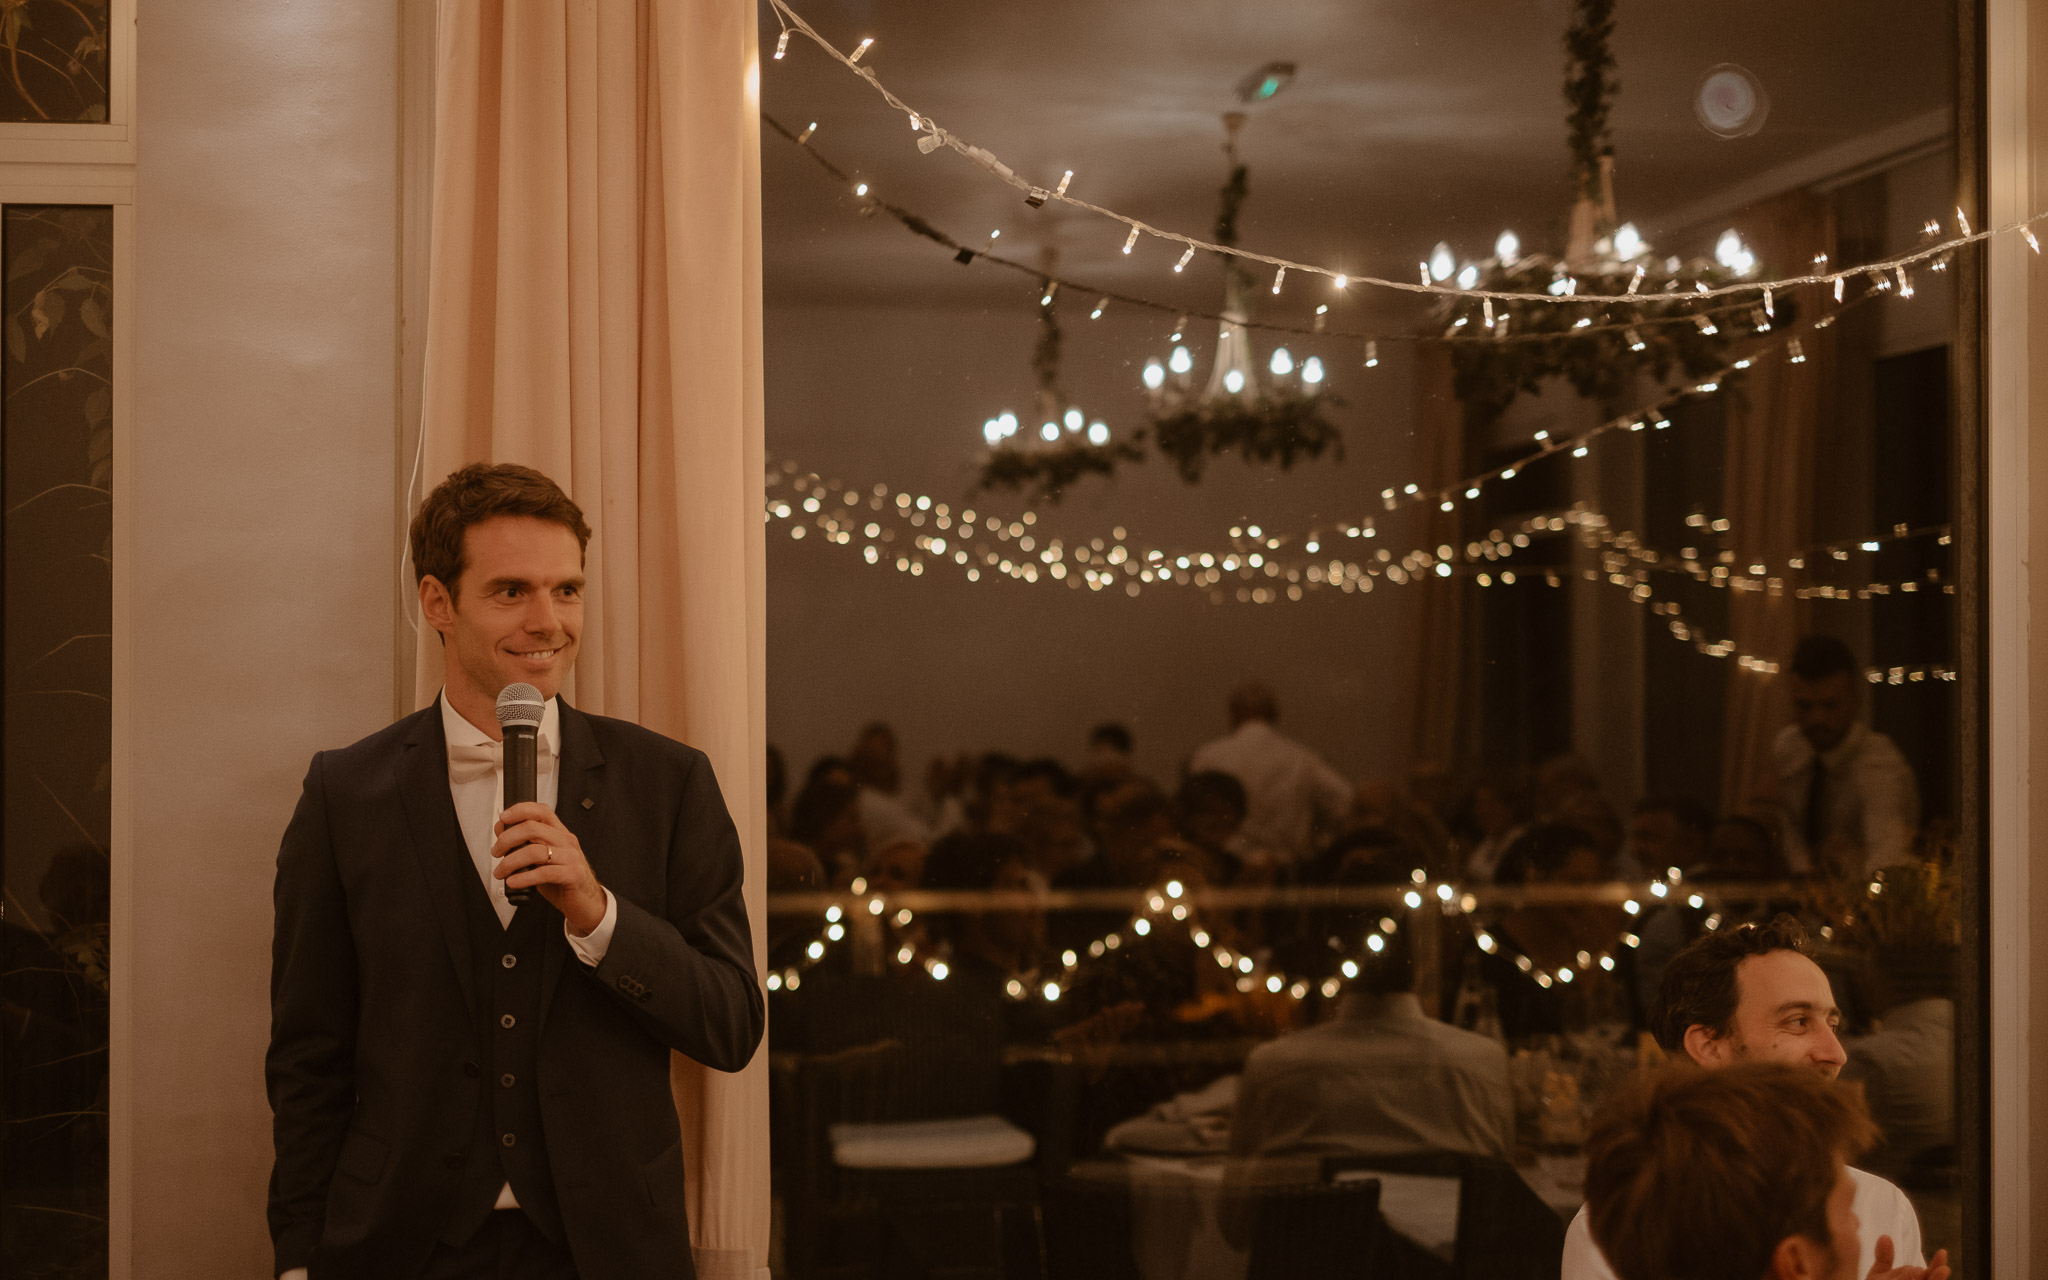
x=469 y=762
x=1816 y=801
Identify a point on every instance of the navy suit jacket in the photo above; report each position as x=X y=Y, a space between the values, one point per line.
x=372 y=1069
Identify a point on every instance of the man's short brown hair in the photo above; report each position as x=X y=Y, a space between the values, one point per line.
x=1699 y=988
x=476 y=493
x=1694 y=1174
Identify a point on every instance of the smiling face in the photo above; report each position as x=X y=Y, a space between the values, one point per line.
x=1784 y=1012
x=516 y=613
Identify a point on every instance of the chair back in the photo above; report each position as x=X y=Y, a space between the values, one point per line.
x=1504 y=1230
x=1326 y=1230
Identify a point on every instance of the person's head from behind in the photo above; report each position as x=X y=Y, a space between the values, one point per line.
x=1827 y=691
x=1385 y=961
x=1742 y=848
x=873 y=758
x=497 y=551
x=1669 y=831
x=1109 y=750
x=1720 y=1175
x=1253 y=701
x=1553 y=853
x=826 y=816
x=979 y=863
x=1130 y=821
x=1749 y=994
x=1211 y=807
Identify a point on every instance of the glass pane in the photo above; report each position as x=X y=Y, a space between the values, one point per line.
x=1248 y=745
x=55 y=61
x=57 y=431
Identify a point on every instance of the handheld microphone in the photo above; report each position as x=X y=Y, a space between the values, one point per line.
x=520 y=708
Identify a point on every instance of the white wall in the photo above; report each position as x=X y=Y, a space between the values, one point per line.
x=262 y=550
x=869 y=394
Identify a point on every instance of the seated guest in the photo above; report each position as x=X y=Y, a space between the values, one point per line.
x=1109 y=754
x=1742 y=848
x=1666 y=832
x=1907 y=1065
x=1379 y=805
x=1720 y=1175
x=1210 y=811
x=1752 y=994
x=1555 y=937
x=826 y=819
x=1493 y=817
x=1131 y=821
x=1847 y=794
x=884 y=813
x=988 y=949
x=1382 y=1077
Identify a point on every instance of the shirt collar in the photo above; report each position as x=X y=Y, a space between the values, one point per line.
x=1851 y=743
x=460 y=731
x=1395 y=1006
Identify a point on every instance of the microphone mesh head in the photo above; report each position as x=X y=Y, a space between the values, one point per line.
x=520 y=704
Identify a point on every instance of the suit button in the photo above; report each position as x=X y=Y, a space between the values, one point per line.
x=509 y=1139
x=507 y=1022
x=506 y=1080
x=471 y=1070
x=509 y=960
x=452 y=1162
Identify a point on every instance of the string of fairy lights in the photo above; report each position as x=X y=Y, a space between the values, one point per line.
x=1168 y=909
x=931 y=137
x=1050 y=283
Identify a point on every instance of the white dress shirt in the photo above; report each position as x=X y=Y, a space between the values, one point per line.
x=1287 y=787
x=1881 y=1208
x=1869 y=795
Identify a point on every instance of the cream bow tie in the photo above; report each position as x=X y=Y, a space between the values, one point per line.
x=472 y=762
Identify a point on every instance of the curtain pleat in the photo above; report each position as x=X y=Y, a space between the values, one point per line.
x=1773 y=423
x=594 y=310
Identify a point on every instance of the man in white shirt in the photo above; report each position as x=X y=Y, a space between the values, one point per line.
x=463 y=1087
x=1753 y=995
x=1290 y=793
x=1849 y=798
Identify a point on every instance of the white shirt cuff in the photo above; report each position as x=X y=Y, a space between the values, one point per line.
x=590 y=950
x=296 y=1273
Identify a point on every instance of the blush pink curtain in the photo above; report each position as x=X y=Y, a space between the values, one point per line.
x=594 y=310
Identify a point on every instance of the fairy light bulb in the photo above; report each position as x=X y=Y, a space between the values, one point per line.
x=992 y=431
x=858 y=53
x=1508 y=248
x=1233 y=382
x=1131 y=240
x=1312 y=373
x=1372 y=354
x=1282 y=363
x=1008 y=422
x=1155 y=375
x=1628 y=242
x=1180 y=361
x=1468 y=277
x=1441 y=262
x=1098 y=433
x=782 y=44
x=1049 y=432
x=1278 y=277
x=1074 y=420
x=1185 y=258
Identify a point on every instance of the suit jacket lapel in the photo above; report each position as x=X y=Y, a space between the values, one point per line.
x=579 y=802
x=437 y=837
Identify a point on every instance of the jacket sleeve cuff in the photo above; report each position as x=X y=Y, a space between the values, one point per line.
x=590 y=950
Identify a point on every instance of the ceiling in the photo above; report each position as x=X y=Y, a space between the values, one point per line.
x=1409 y=122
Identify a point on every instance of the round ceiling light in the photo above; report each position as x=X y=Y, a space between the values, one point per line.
x=1730 y=102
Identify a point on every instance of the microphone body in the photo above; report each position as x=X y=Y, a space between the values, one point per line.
x=520 y=708
x=522 y=748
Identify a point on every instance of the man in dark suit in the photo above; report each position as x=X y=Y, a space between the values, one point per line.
x=462 y=1088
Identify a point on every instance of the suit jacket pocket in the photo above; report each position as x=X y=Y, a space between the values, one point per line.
x=362 y=1156
x=664 y=1177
